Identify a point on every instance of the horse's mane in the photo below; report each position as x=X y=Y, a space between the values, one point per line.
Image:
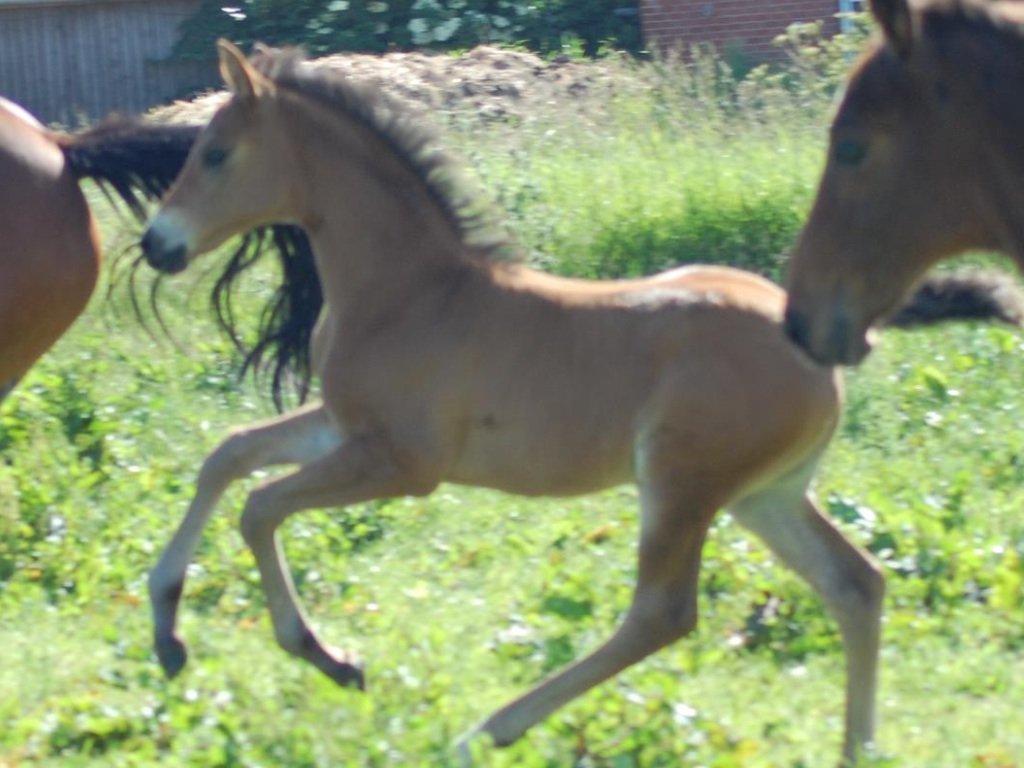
x=984 y=44
x=976 y=41
x=412 y=141
x=946 y=21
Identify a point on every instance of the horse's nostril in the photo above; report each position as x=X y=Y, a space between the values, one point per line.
x=796 y=327
x=840 y=339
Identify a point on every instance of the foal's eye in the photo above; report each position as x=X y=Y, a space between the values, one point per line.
x=850 y=152
x=214 y=157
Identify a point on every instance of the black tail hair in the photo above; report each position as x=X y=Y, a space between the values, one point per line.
x=131 y=157
x=285 y=326
x=137 y=161
x=967 y=294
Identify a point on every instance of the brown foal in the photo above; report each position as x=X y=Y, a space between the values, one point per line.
x=440 y=362
x=926 y=161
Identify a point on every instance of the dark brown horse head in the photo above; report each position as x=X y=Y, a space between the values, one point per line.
x=926 y=160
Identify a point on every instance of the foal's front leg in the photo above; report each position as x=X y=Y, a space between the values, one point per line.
x=294 y=438
x=361 y=469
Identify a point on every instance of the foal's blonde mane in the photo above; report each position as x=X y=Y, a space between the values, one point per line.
x=412 y=141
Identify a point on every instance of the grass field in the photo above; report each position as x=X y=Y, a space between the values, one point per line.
x=461 y=600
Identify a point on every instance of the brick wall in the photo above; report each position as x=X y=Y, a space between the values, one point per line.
x=732 y=25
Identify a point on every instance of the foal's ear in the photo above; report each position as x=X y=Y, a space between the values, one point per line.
x=897 y=23
x=239 y=76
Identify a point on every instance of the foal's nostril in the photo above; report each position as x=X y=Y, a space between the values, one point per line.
x=147 y=241
x=176 y=261
x=150 y=244
x=160 y=256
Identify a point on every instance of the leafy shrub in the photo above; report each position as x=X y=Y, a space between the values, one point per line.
x=680 y=161
x=333 y=25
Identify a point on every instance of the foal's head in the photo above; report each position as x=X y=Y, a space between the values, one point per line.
x=909 y=177
x=240 y=174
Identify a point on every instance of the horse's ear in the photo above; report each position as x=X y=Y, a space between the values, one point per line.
x=897 y=22
x=239 y=76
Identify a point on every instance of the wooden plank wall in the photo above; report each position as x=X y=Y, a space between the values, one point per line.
x=69 y=62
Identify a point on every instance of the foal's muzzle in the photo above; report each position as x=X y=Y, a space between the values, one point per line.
x=162 y=255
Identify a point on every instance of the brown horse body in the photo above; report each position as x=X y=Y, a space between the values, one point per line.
x=926 y=161
x=49 y=252
x=438 y=363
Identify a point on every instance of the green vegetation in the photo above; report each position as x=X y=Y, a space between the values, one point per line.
x=461 y=600
x=325 y=26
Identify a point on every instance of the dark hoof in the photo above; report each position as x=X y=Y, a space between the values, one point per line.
x=348 y=675
x=343 y=668
x=172 y=655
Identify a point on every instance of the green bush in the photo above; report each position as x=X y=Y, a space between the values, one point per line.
x=679 y=162
x=324 y=26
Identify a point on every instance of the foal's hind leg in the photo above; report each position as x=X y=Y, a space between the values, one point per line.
x=849 y=582
x=664 y=608
x=293 y=438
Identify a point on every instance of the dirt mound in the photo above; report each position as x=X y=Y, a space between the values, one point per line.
x=486 y=83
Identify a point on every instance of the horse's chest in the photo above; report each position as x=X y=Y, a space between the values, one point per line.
x=380 y=382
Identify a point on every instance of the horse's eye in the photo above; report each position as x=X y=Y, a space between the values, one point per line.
x=214 y=157
x=850 y=152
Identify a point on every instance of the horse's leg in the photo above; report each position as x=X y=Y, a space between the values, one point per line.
x=847 y=579
x=293 y=438
x=359 y=470
x=664 y=608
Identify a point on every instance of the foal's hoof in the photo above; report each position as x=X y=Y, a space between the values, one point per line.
x=344 y=669
x=172 y=655
x=348 y=675
x=464 y=746
x=464 y=753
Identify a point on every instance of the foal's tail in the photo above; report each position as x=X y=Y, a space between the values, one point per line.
x=136 y=161
x=968 y=294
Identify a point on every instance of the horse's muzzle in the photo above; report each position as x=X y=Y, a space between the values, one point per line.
x=841 y=345
x=797 y=328
x=161 y=255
